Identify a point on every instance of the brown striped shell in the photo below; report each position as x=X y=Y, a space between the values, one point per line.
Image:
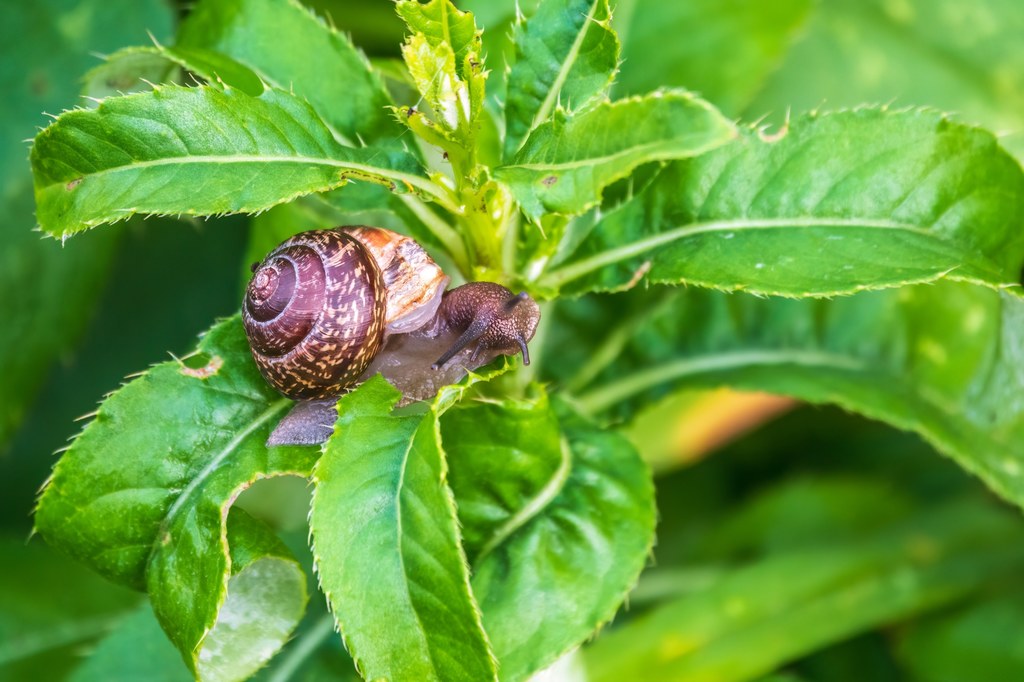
x=314 y=313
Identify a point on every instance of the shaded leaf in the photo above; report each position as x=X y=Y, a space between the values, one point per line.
x=981 y=642
x=724 y=51
x=508 y=461
x=294 y=50
x=761 y=616
x=45 y=54
x=141 y=496
x=594 y=516
x=402 y=601
x=130 y=155
x=566 y=55
x=943 y=360
x=837 y=203
x=959 y=56
x=130 y=70
x=51 y=607
x=565 y=163
x=137 y=649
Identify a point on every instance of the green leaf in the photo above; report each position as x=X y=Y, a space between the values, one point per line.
x=551 y=522
x=137 y=649
x=443 y=57
x=154 y=153
x=980 y=642
x=565 y=55
x=403 y=600
x=508 y=461
x=294 y=50
x=47 y=46
x=776 y=610
x=837 y=203
x=724 y=51
x=266 y=597
x=956 y=56
x=942 y=360
x=131 y=70
x=142 y=495
x=566 y=163
x=51 y=607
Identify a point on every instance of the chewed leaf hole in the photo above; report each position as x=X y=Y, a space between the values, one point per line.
x=201 y=366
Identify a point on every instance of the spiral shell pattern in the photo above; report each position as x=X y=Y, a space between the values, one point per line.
x=314 y=313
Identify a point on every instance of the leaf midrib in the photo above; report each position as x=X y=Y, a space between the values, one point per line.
x=544 y=111
x=534 y=505
x=216 y=159
x=211 y=466
x=568 y=273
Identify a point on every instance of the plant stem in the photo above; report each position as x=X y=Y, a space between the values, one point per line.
x=309 y=642
x=445 y=234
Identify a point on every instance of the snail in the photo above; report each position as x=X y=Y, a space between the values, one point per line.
x=326 y=309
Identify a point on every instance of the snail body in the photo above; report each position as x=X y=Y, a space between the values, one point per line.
x=322 y=306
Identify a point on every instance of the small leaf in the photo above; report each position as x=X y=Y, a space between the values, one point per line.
x=443 y=57
x=142 y=497
x=131 y=70
x=195 y=151
x=776 y=610
x=565 y=55
x=386 y=543
x=566 y=163
x=581 y=505
x=833 y=204
x=294 y=50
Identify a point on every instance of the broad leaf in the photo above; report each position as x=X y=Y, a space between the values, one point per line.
x=724 y=51
x=958 y=56
x=142 y=497
x=51 y=608
x=566 y=163
x=566 y=55
x=132 y=155
x=137 y=649
x=387 y=547
x=776 y=610
x=835 y=204
x=943 y=360
x=547 y=517
x=47 y=46
x=508 y=461
x=294 y=50
x=980 y=642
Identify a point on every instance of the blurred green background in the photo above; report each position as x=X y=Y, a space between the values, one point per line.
x=76 y=319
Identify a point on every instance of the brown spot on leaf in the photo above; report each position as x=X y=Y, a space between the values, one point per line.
x=639 y=274
x=549 y=180
x=74 y=183
x=206 y=371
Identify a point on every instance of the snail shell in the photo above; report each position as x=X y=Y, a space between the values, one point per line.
x=319 y=306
